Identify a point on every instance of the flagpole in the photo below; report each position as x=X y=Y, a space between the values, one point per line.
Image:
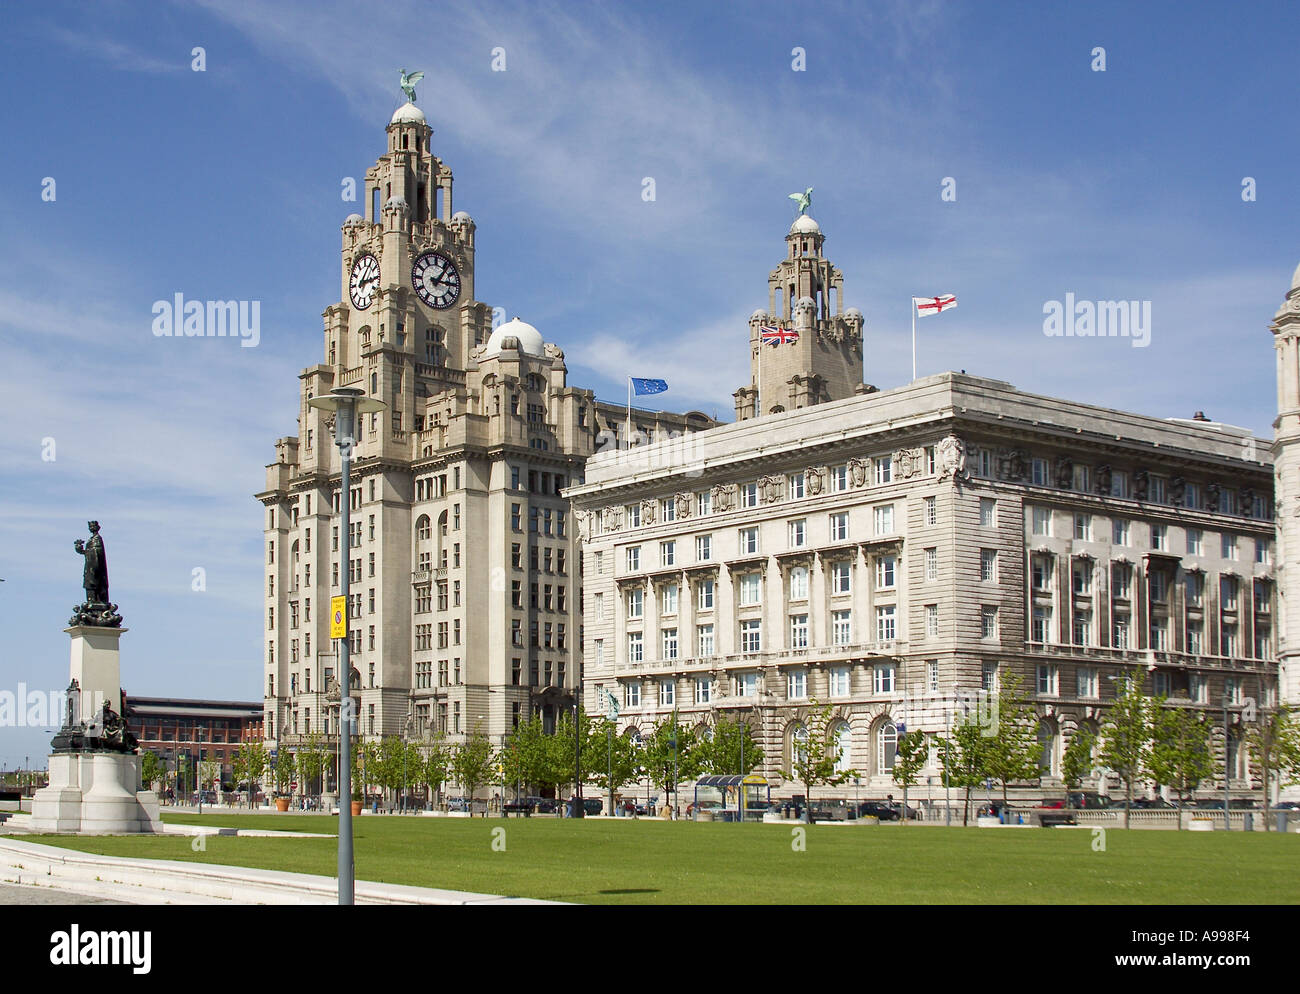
x=912 y=304
x=627 y=429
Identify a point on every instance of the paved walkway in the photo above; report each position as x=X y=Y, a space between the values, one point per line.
x=11 y=894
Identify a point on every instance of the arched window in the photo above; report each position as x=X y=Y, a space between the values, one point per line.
x=423 y=528
x=798 y=744
x=843 y=743
x=1046 y=749
x=886 y=747
x=634 y=735
x=442 y=524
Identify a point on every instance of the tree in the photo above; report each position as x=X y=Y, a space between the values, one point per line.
x=815 y=758
x=1179 y=756
x=209 y=774
x=670 y=754
x=284 y=770
x=621 y=762
x=249 y=766
x=909 y=761
x=1076 y=761
x=964 y=755
x=388 y=772
x=472 y=764
x=731 y=751
x=152 y=769
x=561 y=748
x=1126 y=736
x=312 y=759
x=1275 y=740
x=437 y=765
x=533 y=757
x=1014 y=750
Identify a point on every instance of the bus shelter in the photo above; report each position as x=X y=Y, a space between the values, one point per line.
x=733 y=797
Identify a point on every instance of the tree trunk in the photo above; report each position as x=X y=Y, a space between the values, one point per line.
x=965 y=810
x=1266 y=806
x=1128 y=800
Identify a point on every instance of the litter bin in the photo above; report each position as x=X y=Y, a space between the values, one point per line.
x=1248 y=822
x=1281 y=821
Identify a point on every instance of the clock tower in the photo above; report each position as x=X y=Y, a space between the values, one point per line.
x=817 y=355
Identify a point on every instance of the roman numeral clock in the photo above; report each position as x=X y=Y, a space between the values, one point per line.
x=436 y=280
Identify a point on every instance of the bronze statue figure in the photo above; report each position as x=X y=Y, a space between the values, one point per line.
x=97 y=610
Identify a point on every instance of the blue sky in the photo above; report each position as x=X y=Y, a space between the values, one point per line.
x=1123 y=184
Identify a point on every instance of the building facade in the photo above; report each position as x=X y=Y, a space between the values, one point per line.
x=183 y=733
x=464 y=572
x=900 y=554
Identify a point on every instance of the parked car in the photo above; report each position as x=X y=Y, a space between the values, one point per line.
x=593 y=805
x=1151 y=804
x=877 y=809
x=457 y=804
x=1081 y=800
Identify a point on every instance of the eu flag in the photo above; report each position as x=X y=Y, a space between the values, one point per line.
x=640 y=386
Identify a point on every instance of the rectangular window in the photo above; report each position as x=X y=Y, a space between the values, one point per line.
x=1194 y=638
x=1228 y=545
x=1159 y=634
x=931 y=564
x=633 y=558
x=841 y=627
x=1119 y=484
x=798 y=533
x=839 y=681
x=1262 y=554
x=635 y=603
x=635 y=647
x=796 y=685
x=886 y=618
x=703 y=503
x=839 y=479
x=1041 y=625
x=667 y=553
x=931 y=511
x=799 y=584
x=796 y=483
x=751 y=635
x=1083 y=527
x=1082 y=577
x=886 y=568
x=883 y=678
x=841 y=574
x=1157 y=493
x=1042 y=521
x=750 y=590
x=989 y=621
x=1199 y=688
x=745 y=684
x=932 y=675
x=668 y=599
x=884 y=519
x=1119 y=531
x=668 y=509
x=1038 y=473
x=1047 y=679
x=748 y=541
x=839 y=526
x=884 y=469
x=1086 y=682
x=1041 y=573
x=667 y=693
x=1082 y=628
x=1121 y=628
x=989 y=565
x=703 y=548
x=669 y=644
x=703 y=690
x=1193 y=541
x=798 y=631
x=988 y=512
x=632 y=514
x=704 y=640
x=932 y=621
x=749 y=495
x=632 y=694
x=988 y=677
x=705 y=598
x=1160 y=538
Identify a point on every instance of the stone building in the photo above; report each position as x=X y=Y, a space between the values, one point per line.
x=900 y=554
x=465 y=613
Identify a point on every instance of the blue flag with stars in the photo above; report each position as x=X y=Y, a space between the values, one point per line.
x=641 y=386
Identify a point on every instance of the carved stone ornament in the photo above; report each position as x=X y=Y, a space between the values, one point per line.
x=1247 y=504
x=833 y=332
x=858 y=471
x=1104 y=475
x=613 y=519
x=814 y=481
x=770 y=489
x=1013 y=465
x=909 y=463
x=1212 y=497
x=1142 y=482
x=1065 y=473
x=723 y=496
x=583 y=520
x=648 y=508
x=950 y=455
x=683 y=502
x=1177 y=489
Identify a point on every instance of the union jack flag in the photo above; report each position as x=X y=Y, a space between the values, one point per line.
x=778 y=336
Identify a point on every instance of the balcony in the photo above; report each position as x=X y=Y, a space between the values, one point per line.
x=778 y=657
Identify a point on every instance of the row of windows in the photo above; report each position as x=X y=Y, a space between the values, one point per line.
x=1121 y=533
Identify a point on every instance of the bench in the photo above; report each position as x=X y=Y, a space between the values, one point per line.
x=1054 y=817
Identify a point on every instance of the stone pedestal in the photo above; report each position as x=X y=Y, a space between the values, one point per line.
x=95 y=793
x=96 y=667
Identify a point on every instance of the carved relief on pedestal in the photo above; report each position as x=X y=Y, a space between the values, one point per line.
x=1177 y=489
x=1104 y=475
x=583 y=520
x=683 y=502
x=723 y=496
x=770 y=489
x=613 y=519
x=815 y=480
x=1065 y=473
x=1247 y=505
x=648 y=508
x=909 y=463
x=950 y=455
x=1212 y=497
x=858 y=471
x=1142 y=482
x=1013 y=465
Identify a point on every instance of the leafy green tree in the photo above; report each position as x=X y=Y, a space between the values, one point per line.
x=1077 y=761
x=533 y=757
x=670 y=754
x=285 y=765
x=1014 y=750
x=388 y=772
x=731 y=751
x=210 y=774
x=437 y=765
x=312 y=760
x=561 y=748
x=1274 y=738
x=152 y=769
x=621 y=762
x=964 y=755
x=473 y=764
x=1126 y=736
x=909 y=761
x=1179 y=756
x=249 y=766
x=814 y=759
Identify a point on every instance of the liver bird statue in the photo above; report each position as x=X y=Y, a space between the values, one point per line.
x=409 y=79
x=804 y=200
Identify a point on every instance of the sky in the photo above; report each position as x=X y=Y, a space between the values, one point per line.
x=1161 y=178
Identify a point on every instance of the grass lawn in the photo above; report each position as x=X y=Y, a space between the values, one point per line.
x=654 y=862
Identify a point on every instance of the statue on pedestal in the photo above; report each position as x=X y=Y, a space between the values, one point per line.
x=96 y=611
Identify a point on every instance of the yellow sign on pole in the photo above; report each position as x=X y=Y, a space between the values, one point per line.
x=338 y=617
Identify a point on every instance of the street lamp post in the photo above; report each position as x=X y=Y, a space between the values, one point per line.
x=198 y=769
x=346 y=403
x=578 y=810
x=1227 y=771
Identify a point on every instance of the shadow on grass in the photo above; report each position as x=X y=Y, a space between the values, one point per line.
x=631 y=890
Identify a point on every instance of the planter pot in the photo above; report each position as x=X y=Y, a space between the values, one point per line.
x=282 y=804
x=356 y=809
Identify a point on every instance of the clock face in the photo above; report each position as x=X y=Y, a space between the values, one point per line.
x=364 y=281
x=435 y=279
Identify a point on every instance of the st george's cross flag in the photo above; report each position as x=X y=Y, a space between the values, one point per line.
x=925 y=306
x=778 y=336
x=644 y=386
